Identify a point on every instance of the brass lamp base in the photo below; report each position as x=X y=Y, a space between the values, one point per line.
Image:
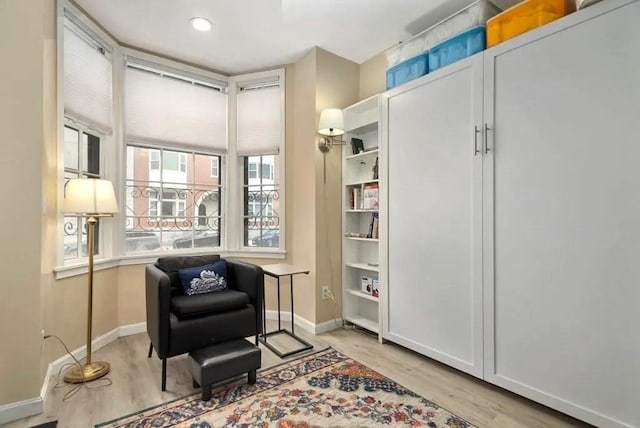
x=87 y=372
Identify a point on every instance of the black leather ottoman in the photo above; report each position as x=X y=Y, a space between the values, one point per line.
x=222 y=361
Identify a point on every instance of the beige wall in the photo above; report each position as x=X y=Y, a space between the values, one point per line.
x=21 y=138
x=49 y=179
x=336 y=86
x=68 y=315
x=300 y=180
x=373 y=76
x=131 y=295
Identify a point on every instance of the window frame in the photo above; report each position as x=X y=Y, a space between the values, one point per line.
x=252 y=172
x=215 y=166
x=237 y=172
x=82 y=171
x=178 y=204
x=264 y=203
x=69 y=14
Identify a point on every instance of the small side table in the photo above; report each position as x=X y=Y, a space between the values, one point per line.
x=277 y=271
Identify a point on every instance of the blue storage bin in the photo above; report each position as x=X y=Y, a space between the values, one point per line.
x=458 y=47
x=408 y=70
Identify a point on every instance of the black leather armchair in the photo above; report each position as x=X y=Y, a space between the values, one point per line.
x=179 y=323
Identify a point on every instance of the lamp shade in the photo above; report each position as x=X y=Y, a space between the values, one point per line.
x=89 y=196
x=331 y=122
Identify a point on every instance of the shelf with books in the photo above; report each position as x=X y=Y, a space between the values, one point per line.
x=361 y=189
x=362 y=154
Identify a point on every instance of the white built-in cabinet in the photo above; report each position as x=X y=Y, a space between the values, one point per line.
x=513 y=233
x=435 y=216
x=360 y=244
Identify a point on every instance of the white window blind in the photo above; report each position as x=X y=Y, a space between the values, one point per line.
x=87 y=82
x=260 y=120
x=170 y=110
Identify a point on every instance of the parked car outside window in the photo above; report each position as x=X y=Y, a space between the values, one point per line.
x=141 y=241
x=200 y=239
x=269 y=238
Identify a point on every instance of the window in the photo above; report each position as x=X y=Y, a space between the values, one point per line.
x=260 y=121
x=171 y=161
x=81 y=160
x=261 y=196
x=87 y=98
x=266 y=172
x=214 y=167
x=154 y=160
x=253 y=170
x=178 y=205
x=172 y=204
x=174 y=193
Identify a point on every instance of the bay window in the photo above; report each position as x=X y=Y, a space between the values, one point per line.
x=260 y=123
x=87 y=99
x=175 y=146
x=183 y=171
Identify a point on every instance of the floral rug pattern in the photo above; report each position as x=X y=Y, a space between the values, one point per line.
x=325 y=389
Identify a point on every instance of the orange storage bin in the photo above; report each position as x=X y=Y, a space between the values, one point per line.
x=524 y=17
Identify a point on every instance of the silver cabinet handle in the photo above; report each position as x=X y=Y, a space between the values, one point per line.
x=475 y=141
x=486 y=138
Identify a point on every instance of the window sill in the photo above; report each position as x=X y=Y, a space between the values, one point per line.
x=68 y=271
x=76 y=269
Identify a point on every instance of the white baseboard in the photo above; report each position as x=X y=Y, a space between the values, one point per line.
x=33 y=406
x=81 y=352
x=304 y=323
x=128 y=330
x=326 y=326
x=21 y=409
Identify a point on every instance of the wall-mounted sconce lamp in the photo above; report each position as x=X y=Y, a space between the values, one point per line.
x=330 y=126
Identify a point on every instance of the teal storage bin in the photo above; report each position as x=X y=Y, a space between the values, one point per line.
x=458 y=47
x=408 y=70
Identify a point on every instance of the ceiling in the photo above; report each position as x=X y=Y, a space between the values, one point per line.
x=250 y=35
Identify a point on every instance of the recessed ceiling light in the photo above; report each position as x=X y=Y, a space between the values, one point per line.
x=201 y=24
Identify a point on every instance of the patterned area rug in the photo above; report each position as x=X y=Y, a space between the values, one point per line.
x=325 y=389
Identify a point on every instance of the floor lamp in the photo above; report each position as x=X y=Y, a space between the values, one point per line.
x=91 y=198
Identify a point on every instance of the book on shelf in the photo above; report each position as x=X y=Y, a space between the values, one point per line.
x=375 y=169
x=374 y=232
x=357 y=146
x=355 y=198
x=373 y=226
x=366 y=285
x=375 y=287
x=370 y=196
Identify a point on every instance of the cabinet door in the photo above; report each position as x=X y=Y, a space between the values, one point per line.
x=563 y=216
x=434 y=224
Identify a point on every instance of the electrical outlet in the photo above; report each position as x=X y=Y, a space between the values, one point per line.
x=326 y=293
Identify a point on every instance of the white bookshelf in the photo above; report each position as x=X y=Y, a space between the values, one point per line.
x=360 y=244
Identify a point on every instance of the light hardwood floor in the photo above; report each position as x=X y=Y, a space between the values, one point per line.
x=136 y=385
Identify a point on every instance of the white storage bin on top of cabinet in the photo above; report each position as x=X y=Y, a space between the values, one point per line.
x=477 y=13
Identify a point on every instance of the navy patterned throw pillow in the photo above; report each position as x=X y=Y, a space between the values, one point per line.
x=204 y=279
